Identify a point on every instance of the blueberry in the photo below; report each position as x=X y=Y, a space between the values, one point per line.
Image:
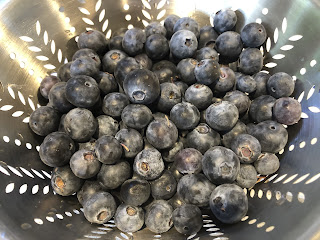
x=183 y=44
x=129 y=218
x=239 y=99
x=124 y=67
x=170 y=95
x=115 y=43
x=108 y=150
x=176 y=201
x=207 y=53
x=136 y=116
x=90 y=145
x=131 y=140
x=141 y=86
x=261 y=108
x=155 y=28
x=148 y=164
x=135 y=192
x=133 y=41
x=107 y=83
x=119 y=32
x=220 y=165
x=187 y=23
x=80 y=124
x=267 y=163
x=82 y=91
x=182 y=87
x=207 y=71
x=165 y=70
x=114 y=103
x=164 y=187
x=56 y=149
x=227 y=137
x=186 y=70
x=94 y=40
x=169 y=23
x=202 y=138
x=185 y=116
x=229 y=203
x=207 y=37
x=157 y=47
x=226 y=80
x=246 y=84
x=64 y=182
x=44 y=120
x=280 y=85
x=261 y=79
x=158 y=217
x=84 y=164
x=229 y=45
x=113 y=176
x=111 y=59
x=64 y=72
x=224 y=20
x=168 y=154
x=247 y=176
x=88 y=189
x=187 y=219
x=272 y=136
x=87 y=52
x=253 y=35
x=106 y=126
x=199 y=95
x=85 y=66
x=58 y=99
x=188 y=161
x=195 y=189
x=287 y=110
x=144 y=61
x=100 y=208
x=251 y=61
x=46 y=84
x=246 y=147
x=222 y=116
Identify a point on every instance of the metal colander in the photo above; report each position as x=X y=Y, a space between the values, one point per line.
x=37 y=36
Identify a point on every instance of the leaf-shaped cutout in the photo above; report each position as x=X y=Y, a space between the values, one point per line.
x=9 y=188
x=124 y=236
x=26 y=120
x=105 y=25
x=304 y=115
x=161 y=4
x=89 y=28
x=4 y=171
x=26 y=39
x=161 y=14
x=17 y=114
x=6 y=107
x=268 y=44
x=46 y=190
x=21 y=97
x=303 y=71
x=146 y=14
x=146 y=4
x=311 y=91
x=312 y=63
x=15 y=171
x=53 y=46
x=66 y=60
x=84 y=11
x=258 y=20
x=145 y=23
x=23 y=188
x=37 y=173
x=34 y=49
x=42 y=58
x=108 y=35
x=59 y=55
x=284 y=25
x=211 y=20
x=101 y=15
x=45 y=37
x=162 y=22
x=38 y=28
x=300 y=97
x=286 y=47
x=295 y=38
x=314 y=109
x=31 y=104
x=35 y=189
x=98 y=5
x=88 y=21
x=271 y=65
x=26 y=172
x=278 y=56
x=49 y=66
x=276 y=35
x=11 y=92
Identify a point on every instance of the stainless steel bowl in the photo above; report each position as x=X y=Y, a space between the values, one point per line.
x=36 y=36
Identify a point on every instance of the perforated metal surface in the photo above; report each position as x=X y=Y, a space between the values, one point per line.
x=38 y=35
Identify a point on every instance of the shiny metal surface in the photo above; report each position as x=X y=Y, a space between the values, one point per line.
x=36 y=36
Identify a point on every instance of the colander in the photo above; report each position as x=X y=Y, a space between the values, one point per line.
x=37 y=36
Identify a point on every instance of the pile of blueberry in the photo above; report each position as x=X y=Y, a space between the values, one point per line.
x=154 y=125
